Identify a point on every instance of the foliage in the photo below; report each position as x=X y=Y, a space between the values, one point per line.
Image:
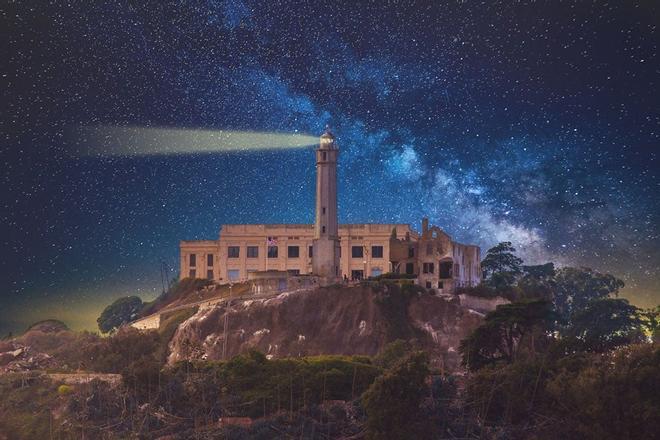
x=118 y=352
x=179 y=289
x=120 y=312
x=393 y=353
x=650 y=321
x=64 y=389
x=504 y=332
x=576 y=287
x=395 y=276
x=488 y=292
x=612 y=396
x=251 y=385
x=506 y=394
x=604 y=325
x=48 y=326
x=586 y=395
x=501 y=266
x=392 y=401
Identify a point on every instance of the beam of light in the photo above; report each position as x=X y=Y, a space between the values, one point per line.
x=108 y=141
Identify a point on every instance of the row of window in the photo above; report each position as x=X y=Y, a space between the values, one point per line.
x=294 y=252
x=193 y=260
x=193 y=274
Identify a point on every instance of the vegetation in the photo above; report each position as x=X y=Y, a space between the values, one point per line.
x=393 y=401
x=120 y=312
x=565 y=359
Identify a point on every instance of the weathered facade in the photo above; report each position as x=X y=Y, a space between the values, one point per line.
x=332 y=251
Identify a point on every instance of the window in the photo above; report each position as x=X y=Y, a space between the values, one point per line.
x=376 y=271
x=209 y=260
x=323 y=210
x=209 y=274
x=233 y=274
x=323 y=229
x=410 y=268
x=377 y=251
x=441 y=285
x=272 y=251
x=293 y=272
x=357 y=274
x=357 y=252
x=192 y=273
x=428 y=268
x=293 y=252
x=445 y=269
x=233 y=251
x=428 y=284
x=193 y=260
x=411 y=252
x=253 y=251
x=324 y=155
x=311 y=251
x=457 y=270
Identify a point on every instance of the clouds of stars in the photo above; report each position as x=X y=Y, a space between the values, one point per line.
x=516 y=121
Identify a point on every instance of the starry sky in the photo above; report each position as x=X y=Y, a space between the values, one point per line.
x=533 y=122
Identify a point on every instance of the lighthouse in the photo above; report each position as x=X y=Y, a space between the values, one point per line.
x=325 y=252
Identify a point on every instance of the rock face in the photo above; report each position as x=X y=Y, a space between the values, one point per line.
x=331 y=320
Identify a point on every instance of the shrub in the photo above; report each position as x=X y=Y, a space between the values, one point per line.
x=63 y=390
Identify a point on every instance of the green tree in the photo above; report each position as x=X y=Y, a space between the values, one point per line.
x=604 y=324
x=392 y=401
x=501 y=266
x=650 y=320
x=120 y=312
x=576 y=287
x=505 y=331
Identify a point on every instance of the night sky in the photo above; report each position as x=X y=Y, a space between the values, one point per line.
x=534 y=122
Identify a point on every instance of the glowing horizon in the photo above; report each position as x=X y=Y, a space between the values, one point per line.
x=109 y=141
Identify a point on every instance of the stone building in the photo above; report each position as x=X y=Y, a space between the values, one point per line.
x=332 y=251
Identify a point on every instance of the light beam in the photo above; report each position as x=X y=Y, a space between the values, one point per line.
x=107 y=141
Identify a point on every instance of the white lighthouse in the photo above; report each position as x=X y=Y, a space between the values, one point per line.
x=325 y=256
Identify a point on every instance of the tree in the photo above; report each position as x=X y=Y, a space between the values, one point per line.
x=120 y=312
x=604 y=324
x=576 y=287
x=501 y=266
x=537 y=282
x=541 y=272
x=504 y=331
x=393 y=399
x=650 y=320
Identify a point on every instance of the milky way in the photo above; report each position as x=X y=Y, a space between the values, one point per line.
x=532 y=122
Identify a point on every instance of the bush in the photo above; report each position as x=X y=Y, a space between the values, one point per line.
x=63 y=390
x=392 y=402
x=120 y=312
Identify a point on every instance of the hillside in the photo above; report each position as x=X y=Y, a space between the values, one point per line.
x=189 y=291
x=332 y=320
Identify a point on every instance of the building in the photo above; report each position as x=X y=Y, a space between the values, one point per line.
x=332 y=251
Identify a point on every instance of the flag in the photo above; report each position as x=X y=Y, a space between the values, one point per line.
x=271 y=241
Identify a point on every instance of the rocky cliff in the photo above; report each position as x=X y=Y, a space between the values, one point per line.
x=331 y=320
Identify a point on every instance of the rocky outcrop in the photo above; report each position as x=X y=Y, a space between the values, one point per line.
x=330 y=320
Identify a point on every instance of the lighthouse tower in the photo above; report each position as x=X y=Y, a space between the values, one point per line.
x=325 y=256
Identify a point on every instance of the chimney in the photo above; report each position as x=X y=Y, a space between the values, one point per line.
x=425 y=225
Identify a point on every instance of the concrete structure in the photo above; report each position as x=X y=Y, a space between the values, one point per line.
x=325 y=247
x=275 y=281
x=331 y=251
